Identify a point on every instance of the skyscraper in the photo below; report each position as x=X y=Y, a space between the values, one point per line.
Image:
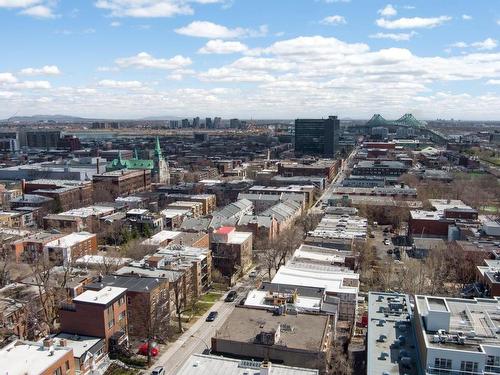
x=208 y=123
x=317 y=136
x=217 y=122
x=196 y=122
x=185 y=123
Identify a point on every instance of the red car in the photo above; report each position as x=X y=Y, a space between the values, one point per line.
x=143 y=349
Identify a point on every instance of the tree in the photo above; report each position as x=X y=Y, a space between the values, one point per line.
x=184 y=299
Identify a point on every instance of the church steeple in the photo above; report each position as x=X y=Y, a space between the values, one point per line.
x=158 y=148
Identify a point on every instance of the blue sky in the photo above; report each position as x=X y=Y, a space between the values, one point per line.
x=250 y=58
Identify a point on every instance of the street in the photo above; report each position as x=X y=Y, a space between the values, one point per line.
x=197 y=339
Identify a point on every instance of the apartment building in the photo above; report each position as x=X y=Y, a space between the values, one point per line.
x=64 y=250
x=122 y=182
x=231 y=251
x=101 y=313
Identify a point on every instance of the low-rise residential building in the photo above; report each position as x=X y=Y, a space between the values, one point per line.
x=211 y=364
x=67 y=194
x=88 y=351
x=340 y=285
x=379 y=168
x=101 y=313
x=230 y=214
x=147 y=301
x=307 y=190
x=29 y=247
x=284 y=213
x=78 y=219
x=457 y=335
x=231 y=251
x=26 y=357
x=327 y=168
x=294 y=340
x=196 y=208
x=111 y=185
x=64 y=250
x=391 y=347
x=489 y=275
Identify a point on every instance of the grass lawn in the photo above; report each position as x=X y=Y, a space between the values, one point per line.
x=114 y=369
x=211 y=297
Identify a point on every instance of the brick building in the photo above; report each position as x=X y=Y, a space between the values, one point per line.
x=73 y=246
x=67 y=194
x=101 y=313
x=122 y=182
x=231 y=251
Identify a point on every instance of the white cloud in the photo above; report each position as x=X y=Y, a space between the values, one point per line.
x=115 y=24
x=39 y=11
x=32 y=85
x=334 y=20
x=206 y=29
x=466 y=17
x=398 y=37
x=487 y=44
x=412 y=23
x=388 y=11
x=18 y=3
x=112 y=84
x=145 y=60
x=493 y=82
x=7 y=78
x=144 y=8
x=219 y=46
x=45 y=70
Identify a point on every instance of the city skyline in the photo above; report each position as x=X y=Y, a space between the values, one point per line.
x=140 y=58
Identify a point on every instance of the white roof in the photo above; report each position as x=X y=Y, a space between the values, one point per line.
x=160 y=237
x=173 y=212
x=101 y=297
x=79 y=344
x=208 y=364
x=329 y=278
x=256 y=298
x=70 y=240
x=137 y=211
x=89 y=211
x=99 y=259
x=28 y=358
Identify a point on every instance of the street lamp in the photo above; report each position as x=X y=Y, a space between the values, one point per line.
x=203 y=342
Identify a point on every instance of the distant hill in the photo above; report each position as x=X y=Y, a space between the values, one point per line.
x=47 y=118
x=161 y=118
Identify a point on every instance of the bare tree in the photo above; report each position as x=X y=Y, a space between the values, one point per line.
x=184 y=299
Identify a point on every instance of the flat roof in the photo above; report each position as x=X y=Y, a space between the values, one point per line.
x=70 y=240
x=477 y=319
x=25 y=357
x=388 y=322
x=102 y=297
x=201 y=364
x=332 y=279
x=132 y=283
x=88 y=211
x=80 y=344
x=302 y=331
x=160 y=237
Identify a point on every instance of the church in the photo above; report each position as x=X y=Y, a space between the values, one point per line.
x=158 y=165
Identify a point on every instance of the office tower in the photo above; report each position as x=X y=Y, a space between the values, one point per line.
x=217 y=122
x=196 y=122
x=174 y=124
x=317 y=136
x=185 y=123
x=234 y=123
x=208 y=123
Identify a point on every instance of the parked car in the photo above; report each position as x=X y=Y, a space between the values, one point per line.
x=211 y=317
x=253 y=274
x=143 y=349
x=231 y=296
x=158 y=371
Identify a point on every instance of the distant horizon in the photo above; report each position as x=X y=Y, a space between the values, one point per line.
x=129 y=59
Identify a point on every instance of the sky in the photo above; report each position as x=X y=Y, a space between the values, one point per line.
x=256 y=59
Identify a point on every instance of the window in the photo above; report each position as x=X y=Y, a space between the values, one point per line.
x=66 y=365
x=442 y=366
x=121 y=301
x=111 y=323
x=58 y=371
x=121 y=316
x=467 y=367
x=492 y=364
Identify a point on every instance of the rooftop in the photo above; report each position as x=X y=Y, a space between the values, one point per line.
x=89 y=211
x=134 y=284
x=390 y=335
x=302 y=331
x=70 y=240
x=102 y=297
x=209 y=364
x=466 y=325
x=31 y=358
x=80 y=344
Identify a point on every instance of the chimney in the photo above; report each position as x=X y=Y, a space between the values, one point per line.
x=265 y=368
x=63 y=342
x=47 y=343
